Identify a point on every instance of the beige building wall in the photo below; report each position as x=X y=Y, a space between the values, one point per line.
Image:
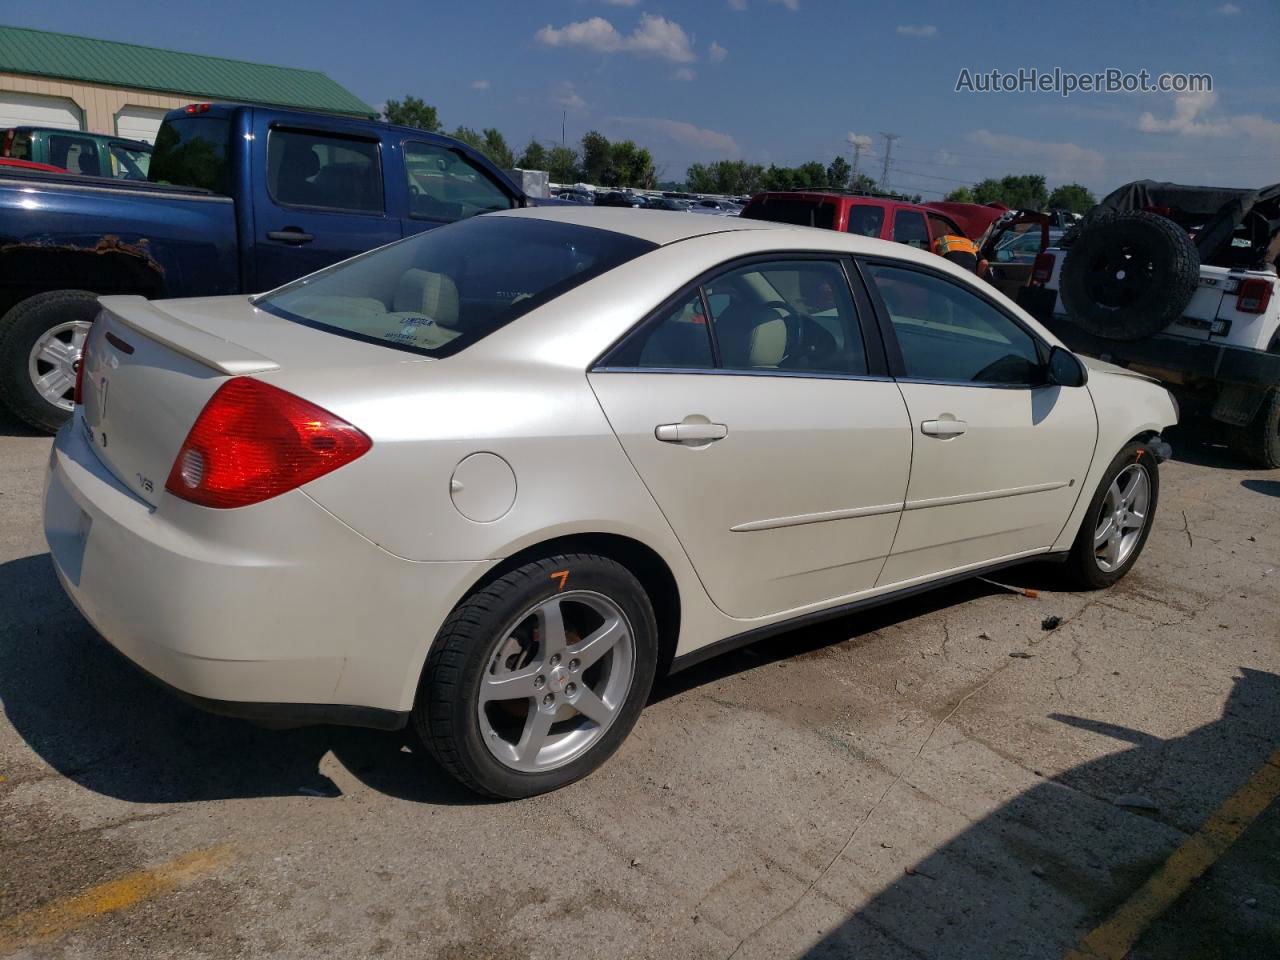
x=98 y=104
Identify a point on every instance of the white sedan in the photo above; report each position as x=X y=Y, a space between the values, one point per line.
x=491 y=479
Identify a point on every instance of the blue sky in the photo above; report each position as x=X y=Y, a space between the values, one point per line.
x=779 y=81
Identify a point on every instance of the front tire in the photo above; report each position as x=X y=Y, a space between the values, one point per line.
x=41 y=339
x=1118 y=521
x=534 y=681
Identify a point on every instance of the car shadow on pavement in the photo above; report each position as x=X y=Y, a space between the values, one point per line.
x=97 y=720
x=1269 y=487
x=11 y=426
x=1034 y=876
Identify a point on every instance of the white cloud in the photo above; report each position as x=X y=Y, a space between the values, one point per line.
x=479 y=84
x=856 y=139
x=1228 y=10
x=622 y=3
x=1059 y=161
x=738 y=5
x=700 y=139
x=653 y=36
x=567 y=97
x=792 y=5
x=1191 y=118
x=924 y=30
x=716 y=53
x=684 y=73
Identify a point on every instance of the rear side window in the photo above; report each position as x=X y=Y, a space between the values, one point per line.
x=679 y=340
x=443 y=185
x=803 y=213
x=947 y=333
x=20 y=147
x=192 y=152
x=76 y=154
x=128 y=163
x=319 y=170
x=865 y=219
x=437 y=292
x=909 y=228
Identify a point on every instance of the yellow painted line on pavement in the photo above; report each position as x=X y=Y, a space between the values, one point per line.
x=61 y=916
x=1115 y=937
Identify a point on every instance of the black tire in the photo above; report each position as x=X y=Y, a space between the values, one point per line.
x=1129 y=275
x=20 y=328
x=1082 y=567
x=445 y=710
x=1258 y=442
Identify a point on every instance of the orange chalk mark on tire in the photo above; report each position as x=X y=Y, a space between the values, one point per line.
x=562 y=576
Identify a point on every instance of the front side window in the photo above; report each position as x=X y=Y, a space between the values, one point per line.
x=865 y=219
x=437 y=292
x=76 y=154
x=20 y=147
x=443 y=185
x=786 y=316
x=909 y=228
x=318 y=170
x=943 y=227
x=947 y=333
x=128 y=163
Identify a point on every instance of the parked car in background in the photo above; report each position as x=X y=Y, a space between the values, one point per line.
x=667 y=203
x=723 y=208
x=576 y=196
x=461 y=482
x=240 y=199
x=1179 y=282
x=88 y=154
x=869 y=216
x=1011 y=248
x=617 y=198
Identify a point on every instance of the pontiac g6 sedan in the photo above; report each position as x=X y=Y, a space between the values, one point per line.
x=491 y=479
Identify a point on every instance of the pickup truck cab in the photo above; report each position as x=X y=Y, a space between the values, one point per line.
x=886 y=218
x=89 y=154
x=240 y=199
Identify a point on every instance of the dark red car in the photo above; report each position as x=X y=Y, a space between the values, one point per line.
x=914 y=224
x=28 y=165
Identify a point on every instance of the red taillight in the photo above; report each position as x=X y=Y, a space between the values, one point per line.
x=1042 y=269
x=1254 y=295
x=253 y=441
x=77 y=396
x=196 y=108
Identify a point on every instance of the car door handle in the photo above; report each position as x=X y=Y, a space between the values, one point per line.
x=293 y=236
x=943 y=428
x=685 y=432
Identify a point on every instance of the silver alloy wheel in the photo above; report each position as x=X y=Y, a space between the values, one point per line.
x=55 y=360
x=556 y=681
x=1122 y=518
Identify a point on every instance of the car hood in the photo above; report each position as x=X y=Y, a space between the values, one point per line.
x=1101 y=366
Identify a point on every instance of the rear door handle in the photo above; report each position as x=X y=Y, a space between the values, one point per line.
x=292 y=235
x=686 y=432
x=943 y=428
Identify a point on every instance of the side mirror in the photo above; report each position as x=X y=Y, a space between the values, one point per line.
x=1065 y=369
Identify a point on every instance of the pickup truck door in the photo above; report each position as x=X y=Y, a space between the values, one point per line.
x=318 y=197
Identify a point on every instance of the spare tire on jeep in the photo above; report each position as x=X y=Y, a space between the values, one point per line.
x=1129 y=275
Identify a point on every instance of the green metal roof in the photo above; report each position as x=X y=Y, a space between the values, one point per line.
x=89 y=60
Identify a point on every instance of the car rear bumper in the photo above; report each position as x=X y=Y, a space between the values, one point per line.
x=278 y=612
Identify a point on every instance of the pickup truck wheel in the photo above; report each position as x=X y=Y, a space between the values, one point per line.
x=1129 y=275
x=1258 y=442
x=40 y=343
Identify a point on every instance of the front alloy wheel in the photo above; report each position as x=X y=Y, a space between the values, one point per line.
x=1116 y=527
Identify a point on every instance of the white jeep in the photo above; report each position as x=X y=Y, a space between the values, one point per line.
x=1180 y=283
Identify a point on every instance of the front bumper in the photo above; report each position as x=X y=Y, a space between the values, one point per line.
x=276 y=612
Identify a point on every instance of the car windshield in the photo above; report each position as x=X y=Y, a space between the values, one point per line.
x=440 y=291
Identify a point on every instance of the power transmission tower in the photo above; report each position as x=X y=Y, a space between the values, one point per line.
x=888 y=150
x=857 y=157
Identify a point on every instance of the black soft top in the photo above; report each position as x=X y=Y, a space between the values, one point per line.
x=1213 y=213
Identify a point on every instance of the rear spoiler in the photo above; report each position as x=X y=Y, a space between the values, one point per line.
x=181 y=337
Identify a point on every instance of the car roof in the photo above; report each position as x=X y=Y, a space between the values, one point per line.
x=656 y=226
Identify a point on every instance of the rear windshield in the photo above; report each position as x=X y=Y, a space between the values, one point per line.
x=804 y=213
x=192 y=152
x=440 y=291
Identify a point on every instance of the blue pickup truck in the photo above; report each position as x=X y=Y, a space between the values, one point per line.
x=239 y=199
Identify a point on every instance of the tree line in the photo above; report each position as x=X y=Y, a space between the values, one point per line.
x=622 y=163
x=598 y=160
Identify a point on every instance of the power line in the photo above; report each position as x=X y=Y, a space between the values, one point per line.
x=888 y=152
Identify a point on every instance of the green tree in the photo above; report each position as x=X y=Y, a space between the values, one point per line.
x=863 y=183
x=1021 y=192
x=699 y=178
x=811 y=175
x=562 y=165
x=838 y=173
x=1071 y=196
x=469 y=137
x=495 y=148
x=596 y=159
x=534 y=157
x=961 y=195
x=412 y=112
x=780 y=178
x=631 y=165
